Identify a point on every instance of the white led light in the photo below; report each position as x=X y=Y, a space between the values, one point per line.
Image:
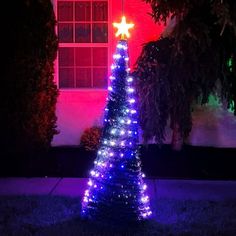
x=133 y=111
x=110 y=88
x=85 y=199
x=113 y=143
x=113 y=67
x=112 y=77
x=144 y=215
x=90 y=183
x=143 y=175
x=122 y=143
x=126 y=58
x=92 y=172
x=128 y=122
x=86 y=193
x=129 y=132
x=113 y=131
x=132 y=100
x=130 y=79
x=122 y=154
x=116 y=56
x=122 y=132
x=144 y=187
x=111 y=154
x=130 y=90
x=144 y=199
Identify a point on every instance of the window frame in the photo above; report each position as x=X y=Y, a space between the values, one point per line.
x=90 y=45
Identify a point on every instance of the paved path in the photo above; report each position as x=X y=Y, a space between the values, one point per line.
x=158 y=188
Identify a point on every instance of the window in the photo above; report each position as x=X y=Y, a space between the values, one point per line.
x=83 y=43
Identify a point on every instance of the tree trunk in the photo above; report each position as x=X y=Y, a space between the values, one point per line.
x=177 y=140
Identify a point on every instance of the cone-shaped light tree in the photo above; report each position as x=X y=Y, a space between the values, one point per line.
x=116 y=191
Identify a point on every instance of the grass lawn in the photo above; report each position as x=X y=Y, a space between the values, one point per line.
x=51 y=215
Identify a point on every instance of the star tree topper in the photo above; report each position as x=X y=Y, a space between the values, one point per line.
x=123 y=28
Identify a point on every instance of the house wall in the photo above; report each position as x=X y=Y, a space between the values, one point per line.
x=79 y=109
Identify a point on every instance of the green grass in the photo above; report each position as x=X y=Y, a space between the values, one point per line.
x=50 y=215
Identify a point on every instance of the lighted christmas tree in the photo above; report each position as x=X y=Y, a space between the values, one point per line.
x=116 y=190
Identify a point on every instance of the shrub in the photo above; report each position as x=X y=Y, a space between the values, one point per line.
x=90 y=138
x=30 y=94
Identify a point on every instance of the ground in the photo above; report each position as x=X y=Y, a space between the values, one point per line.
x=51 y=206
x=53 y=215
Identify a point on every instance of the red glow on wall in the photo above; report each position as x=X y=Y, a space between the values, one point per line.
x=78 y=109
x=145 y=29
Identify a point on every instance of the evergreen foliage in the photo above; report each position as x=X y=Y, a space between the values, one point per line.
x=30 y=94
x=188 y=65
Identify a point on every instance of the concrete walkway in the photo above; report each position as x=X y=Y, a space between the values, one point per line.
x=74 y=187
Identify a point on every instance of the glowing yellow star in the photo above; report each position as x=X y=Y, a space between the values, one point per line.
x=123 y=28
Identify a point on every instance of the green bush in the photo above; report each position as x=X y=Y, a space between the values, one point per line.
x=30 y=94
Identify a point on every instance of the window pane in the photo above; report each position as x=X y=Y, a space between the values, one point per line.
x=65 y=11
x=65 y=32
x=83 y=77
x=83 y=57
x=82 y=11
x=100 y=77
x=83 y=33
x=66 y=56
x=66 y=78
x=100 y=34
x=100 y=11
x=100 y=56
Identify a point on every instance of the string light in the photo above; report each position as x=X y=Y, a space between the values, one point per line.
x=117 y=153
x=117 y=56
x=130 y=90
x=130 y=79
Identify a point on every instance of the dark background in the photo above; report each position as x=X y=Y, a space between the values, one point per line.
x=161 y=162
